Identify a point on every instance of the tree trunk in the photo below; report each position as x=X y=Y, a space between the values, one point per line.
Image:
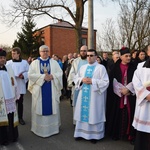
x=78 y=23
x=78 y=39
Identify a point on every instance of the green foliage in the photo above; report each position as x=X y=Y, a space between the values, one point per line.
x=26 y=39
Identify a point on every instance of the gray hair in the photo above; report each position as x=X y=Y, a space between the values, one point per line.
x=43 y=47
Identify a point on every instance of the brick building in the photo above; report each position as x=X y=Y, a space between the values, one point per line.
x=61 y=38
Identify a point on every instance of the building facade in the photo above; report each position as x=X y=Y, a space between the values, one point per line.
x=61 y=38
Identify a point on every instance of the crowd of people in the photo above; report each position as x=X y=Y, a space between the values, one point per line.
x=109 y=97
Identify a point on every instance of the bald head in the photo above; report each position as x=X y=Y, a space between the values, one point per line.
x=84 y=47
x=83 y=51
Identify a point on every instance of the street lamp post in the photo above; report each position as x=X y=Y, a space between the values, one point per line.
x=90 y=25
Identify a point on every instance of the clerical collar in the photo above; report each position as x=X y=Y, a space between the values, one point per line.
x=147 y=63
x=44 y=59
x=93 y=63
x=15 y=60
x=3 y=68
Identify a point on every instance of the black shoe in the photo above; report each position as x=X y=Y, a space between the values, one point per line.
x=115 y=138
x=5 y=143
x=21 y=121
x=78 y=138
x=132 y=142
x=15 y=140
x=93 y=141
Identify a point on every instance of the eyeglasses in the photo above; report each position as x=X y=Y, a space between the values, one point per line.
x=44 y=51
x=90 y=55
x=83 y=50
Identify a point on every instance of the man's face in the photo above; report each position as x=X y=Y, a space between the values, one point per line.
x=75 y=55
x=115 y=57
x=2 y=60
x=83 y=53
x=65 y=57
x=44 y=53
x=70 y=56
x=91 y=58
x=15 y=55
x=55 y=58
x=105 y=56
x=148 y=51
x=126 y=58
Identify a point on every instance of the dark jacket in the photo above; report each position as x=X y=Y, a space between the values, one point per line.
x=113 y=113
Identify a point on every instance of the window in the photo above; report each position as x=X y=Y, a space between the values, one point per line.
x=84 y=41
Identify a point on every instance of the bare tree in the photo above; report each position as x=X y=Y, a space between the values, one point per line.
x=71 y=11
x=134 y=23
x=133 y=28
x=5 y=47
x=107 y=39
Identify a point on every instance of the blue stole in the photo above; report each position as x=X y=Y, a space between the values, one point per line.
x=86 y=95
x=46 y=89
x=76 y=92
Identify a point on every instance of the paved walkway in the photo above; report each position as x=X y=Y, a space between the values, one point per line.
x=64 y=140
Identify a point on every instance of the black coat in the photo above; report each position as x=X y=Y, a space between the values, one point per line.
x=113 y=115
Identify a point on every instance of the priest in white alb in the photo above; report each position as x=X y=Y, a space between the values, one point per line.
x=141 y=122
x=92 y=82
x=77 y=63
x=20 y=67
x=45 y=84
x=8 y=96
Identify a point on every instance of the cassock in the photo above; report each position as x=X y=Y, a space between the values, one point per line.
x=119 y=114
x=8 y=114
x=45 y=97
x=90 y=105
x=141 y=122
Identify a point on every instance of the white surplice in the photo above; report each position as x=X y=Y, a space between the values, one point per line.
x=94 y=129
x=44 y=126
x=141 y=120
x=8 y=95
x=20 y=68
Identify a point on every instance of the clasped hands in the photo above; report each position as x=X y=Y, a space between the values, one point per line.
x=48 y=77
x=124 y=91
x=87 y=80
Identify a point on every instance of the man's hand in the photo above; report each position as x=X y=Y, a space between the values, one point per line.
x=21 y=76
x=148 y=97
x=87 y=80
x=48 y=77
x=125 y=91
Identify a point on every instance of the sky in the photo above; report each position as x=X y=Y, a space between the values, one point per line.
x=102 y=12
